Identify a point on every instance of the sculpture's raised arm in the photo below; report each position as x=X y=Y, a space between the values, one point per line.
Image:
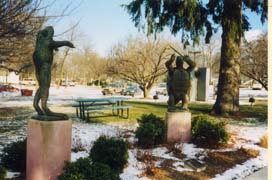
x=169 y=63
x=191 y=63
x=57 y=44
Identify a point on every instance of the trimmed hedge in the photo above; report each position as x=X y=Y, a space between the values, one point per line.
x=110 y=151
x=208 y=133
x=84 y=169
x=151 y=130
x=13 y=156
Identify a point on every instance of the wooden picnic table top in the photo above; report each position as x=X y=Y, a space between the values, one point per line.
x=110 y=99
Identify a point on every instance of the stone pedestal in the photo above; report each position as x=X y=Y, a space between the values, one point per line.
x=178 y=126
x=48 y=147
x=203 y=84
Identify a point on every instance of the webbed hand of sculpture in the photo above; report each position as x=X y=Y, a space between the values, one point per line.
x=71 y=45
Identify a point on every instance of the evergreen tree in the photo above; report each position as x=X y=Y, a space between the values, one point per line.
x=195 y=18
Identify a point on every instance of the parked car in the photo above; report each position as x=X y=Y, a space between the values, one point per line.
x=27 y=81
x=257 y=86
x=65 y=82
x=162 y=89
x=131 y=91
x=113 y=89
x=8 y=88
x=246 y=84
x=26 y=92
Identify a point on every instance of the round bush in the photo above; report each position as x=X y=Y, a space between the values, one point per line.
x=110 y=151
x=3 y=173
x=102 y=171
x=13 y=156
x=151 y=130
x=83 y=169
x=206 y=132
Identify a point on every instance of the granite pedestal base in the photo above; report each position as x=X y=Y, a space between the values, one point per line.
x=48 y=147
x=178 y=127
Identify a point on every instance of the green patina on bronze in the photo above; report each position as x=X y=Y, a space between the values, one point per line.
x=43 y=59
x=179 y=82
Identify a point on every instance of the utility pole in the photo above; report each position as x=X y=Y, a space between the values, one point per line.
x=194 y=53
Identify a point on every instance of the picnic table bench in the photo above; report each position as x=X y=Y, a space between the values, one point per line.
x=86 y=107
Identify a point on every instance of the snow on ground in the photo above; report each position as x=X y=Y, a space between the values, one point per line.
x=134 y=168
x=12 y=175
x=249 y=137
x=88 y=133
x=85 y=134
x=11 y=131
x=61 y=96
x=68 y=95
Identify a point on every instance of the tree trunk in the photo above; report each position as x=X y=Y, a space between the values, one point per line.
x=227 y=101
x=145 y=90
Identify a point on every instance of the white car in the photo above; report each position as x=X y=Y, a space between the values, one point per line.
x=68 y=83
x=257 y=86
x=28 y=81
x=162 y=89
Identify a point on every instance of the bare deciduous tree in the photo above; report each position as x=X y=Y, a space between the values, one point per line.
x=254 y=60
x=140 y=61
x=65 y=53
x=85 y=66
x=19 y=23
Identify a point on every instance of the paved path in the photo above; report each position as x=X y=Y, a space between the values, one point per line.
x=259 y=175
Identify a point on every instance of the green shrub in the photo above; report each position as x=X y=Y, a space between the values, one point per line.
x=103 y=84
x=102 y=171
x=110 y=151
x=206 y=132
x=151 y=130
x=89 y=83
x=3 y=173
x=84 y=169
x=13 y=156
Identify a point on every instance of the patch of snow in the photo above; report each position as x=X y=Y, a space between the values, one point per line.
x=133 y=171
x=12 y=175
x=76 y=156
x=88 y=133
x=163 y=152
x=191 y=151
x=11 y=131
x=252 y=135
x=9 y=94
x=245 y=169
x=179 y=166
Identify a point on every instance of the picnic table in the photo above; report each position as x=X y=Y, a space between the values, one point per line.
x=85 y=107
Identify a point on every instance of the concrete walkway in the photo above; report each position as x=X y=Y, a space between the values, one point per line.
x=259 y=175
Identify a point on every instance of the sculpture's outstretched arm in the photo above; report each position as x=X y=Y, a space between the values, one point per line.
x=169 y=63
x=191 y=63
x=57 y=44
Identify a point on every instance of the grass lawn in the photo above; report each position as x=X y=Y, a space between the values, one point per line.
x=258 y=111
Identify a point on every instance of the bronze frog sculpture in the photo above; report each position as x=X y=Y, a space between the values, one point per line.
x=43 y=59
